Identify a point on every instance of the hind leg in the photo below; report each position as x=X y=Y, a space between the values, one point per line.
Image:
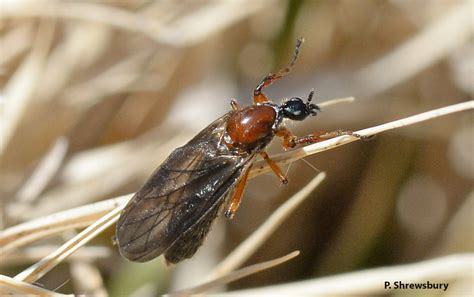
x=237 y=196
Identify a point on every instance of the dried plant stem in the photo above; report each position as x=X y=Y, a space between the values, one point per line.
x=37 y=270
x=241 y=273
x=260 y=167
x=44 y=172
x=11 y=286
x=79 y=217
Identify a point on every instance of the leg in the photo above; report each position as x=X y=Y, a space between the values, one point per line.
x=276 y=169
x=237 y=196
x=234 y=104
x=290 y=140
x=258 y=96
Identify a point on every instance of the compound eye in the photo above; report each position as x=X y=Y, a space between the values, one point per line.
x=295 y=109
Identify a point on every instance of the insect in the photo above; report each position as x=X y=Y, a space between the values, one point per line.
x=173 y=212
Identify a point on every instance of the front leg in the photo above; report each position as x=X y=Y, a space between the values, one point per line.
x=291 y=141
x=258 y=95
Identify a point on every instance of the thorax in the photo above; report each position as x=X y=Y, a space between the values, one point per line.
x=251 y=127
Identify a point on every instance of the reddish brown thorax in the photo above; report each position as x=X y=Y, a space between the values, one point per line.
x=248 y=126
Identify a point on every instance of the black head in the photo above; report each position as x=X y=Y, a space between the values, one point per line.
x=296 y=109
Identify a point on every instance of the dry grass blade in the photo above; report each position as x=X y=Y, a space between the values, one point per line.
x=83 y=216
x=254 y=241
x=44 y=172
x=371 y=281
x=37 y=270
x=236 y=275
x=11 y=286
x=260 y=167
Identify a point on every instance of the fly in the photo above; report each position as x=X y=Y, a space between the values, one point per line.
x=173 y=212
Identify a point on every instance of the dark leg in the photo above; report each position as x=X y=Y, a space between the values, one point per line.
x=290 y=140
x=275 y=168
x=237 y=196
x=258 y=96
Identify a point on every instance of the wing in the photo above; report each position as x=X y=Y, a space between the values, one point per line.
x=190 y=184
x=188 y=243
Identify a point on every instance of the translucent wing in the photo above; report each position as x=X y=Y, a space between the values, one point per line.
x=181 y=199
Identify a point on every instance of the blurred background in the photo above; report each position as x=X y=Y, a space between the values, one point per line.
x=101 y=92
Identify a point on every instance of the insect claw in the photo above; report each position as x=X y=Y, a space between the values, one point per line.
x=229 y=214
x=366 y=137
